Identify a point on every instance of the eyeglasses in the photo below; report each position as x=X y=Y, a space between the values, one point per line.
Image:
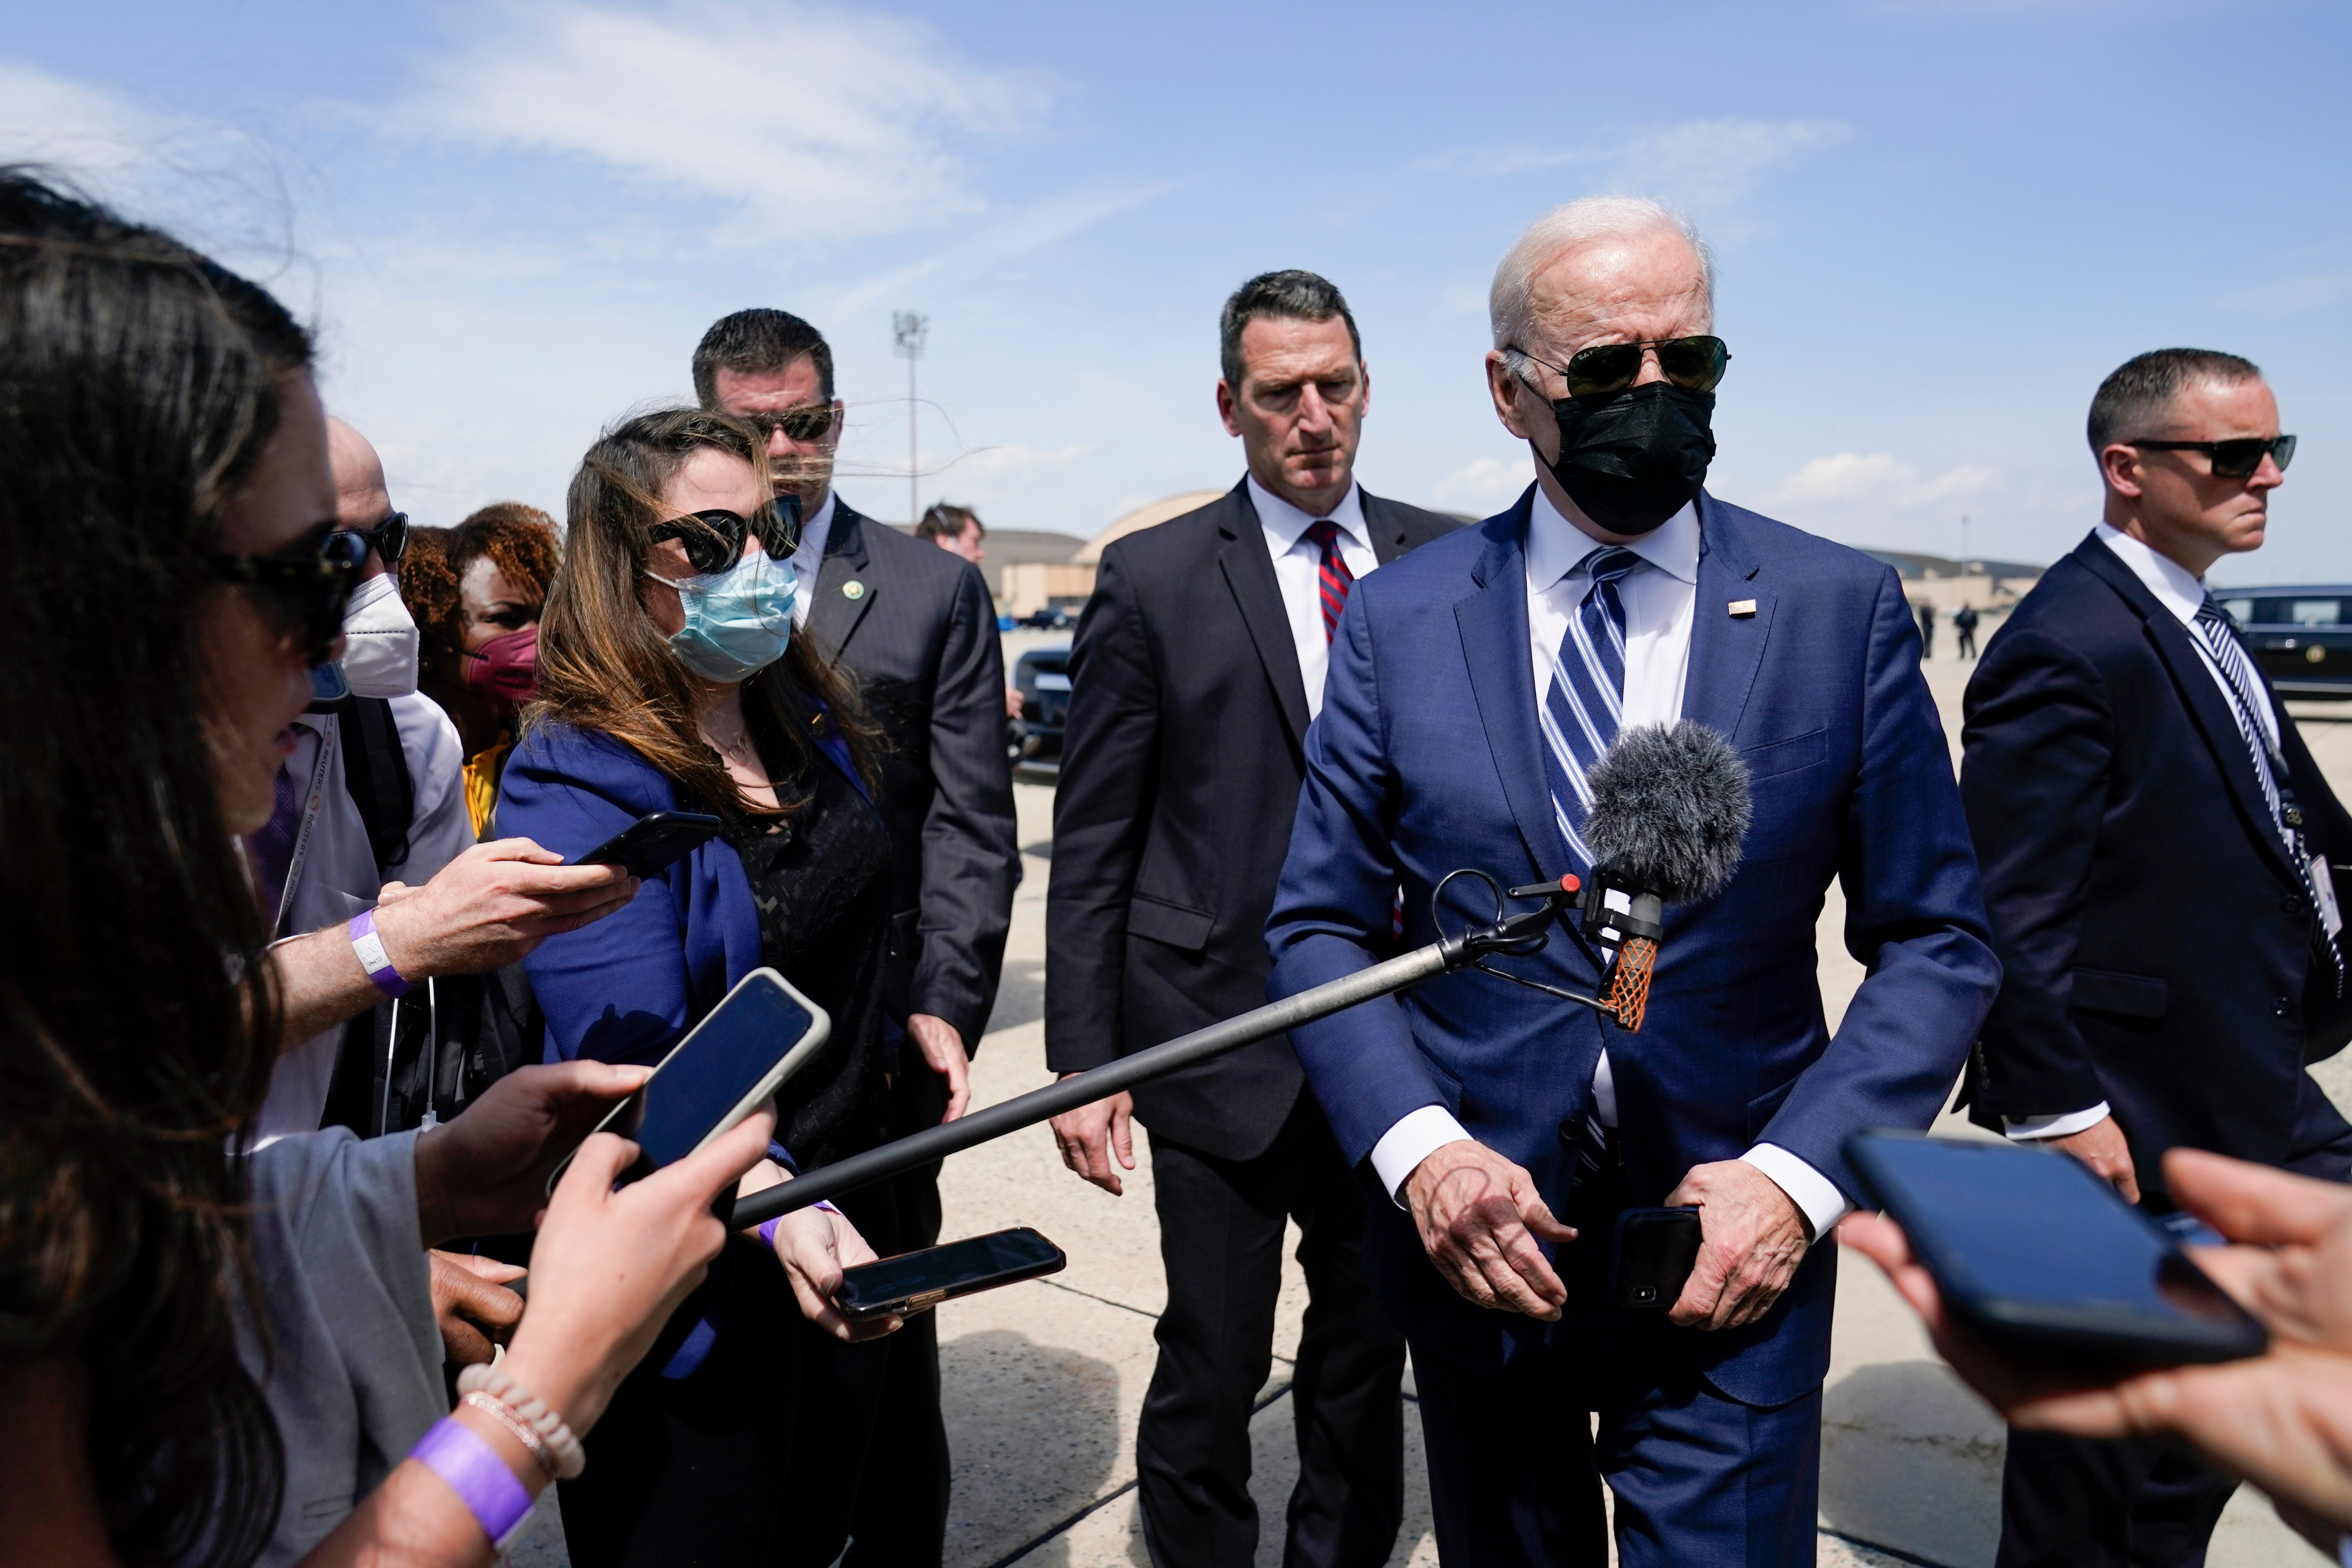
x=388 y=539
x=2234 y=459
x=714 y=539
x=1695 y=365
x=810 y=422
x=304 y=588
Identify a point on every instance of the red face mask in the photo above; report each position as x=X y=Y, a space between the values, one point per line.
x=505 y=669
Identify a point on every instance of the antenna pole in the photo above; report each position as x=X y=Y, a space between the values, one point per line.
x=909 y=329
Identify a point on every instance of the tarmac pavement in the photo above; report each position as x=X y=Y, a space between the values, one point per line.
x=1042 y=1381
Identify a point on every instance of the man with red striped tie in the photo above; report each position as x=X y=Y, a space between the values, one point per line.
x=1196 y=671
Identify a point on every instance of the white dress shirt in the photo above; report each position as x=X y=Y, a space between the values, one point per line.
x=1299 y=568
x=334 y=876
x=808 y=558
x=1659 y=597
x=2183 y=595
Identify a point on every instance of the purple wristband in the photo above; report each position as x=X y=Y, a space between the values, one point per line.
x=472 y=1468
x=369 y=947
x=766 y=1229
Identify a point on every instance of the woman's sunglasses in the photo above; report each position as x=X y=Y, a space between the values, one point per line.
x=388 y=539
x=1695 y=365
x=2235 y=459
x=714 y=539
x=304 y=589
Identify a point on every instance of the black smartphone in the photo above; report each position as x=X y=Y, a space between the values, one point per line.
x=1651 y=1257
x=743 y=1049
x=653 y=842
x=916 y=1282
x=2038 y=1255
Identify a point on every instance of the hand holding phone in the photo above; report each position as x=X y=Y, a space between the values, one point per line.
x=653 y=843
x=917 y=1281
x=1654 y=1254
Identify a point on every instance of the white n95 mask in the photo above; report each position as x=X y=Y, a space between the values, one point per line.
x=379 y=640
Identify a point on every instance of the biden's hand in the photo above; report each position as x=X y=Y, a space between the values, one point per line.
x=1479 y=1216
x=1751 y=1239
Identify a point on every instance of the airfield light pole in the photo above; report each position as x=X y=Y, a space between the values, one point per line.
x=910 y=329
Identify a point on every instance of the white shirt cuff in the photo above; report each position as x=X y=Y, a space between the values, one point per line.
x=1409 y=1142
x=1819 y=1197
x=2064 y=1125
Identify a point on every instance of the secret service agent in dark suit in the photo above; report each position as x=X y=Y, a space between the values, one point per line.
x=2146 y=815
x=917 y=628
x=1196 y=669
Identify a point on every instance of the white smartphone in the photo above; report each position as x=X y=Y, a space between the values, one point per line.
x=744 y=1049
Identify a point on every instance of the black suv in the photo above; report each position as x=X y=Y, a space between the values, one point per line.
x=1043 y=679
x=2302 y=637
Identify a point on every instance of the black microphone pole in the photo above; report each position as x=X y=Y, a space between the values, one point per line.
x=1519 y=933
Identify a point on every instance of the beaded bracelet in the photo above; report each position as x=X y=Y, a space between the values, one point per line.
x=500 y=1384
x=469 y=1466
x=507 y=1417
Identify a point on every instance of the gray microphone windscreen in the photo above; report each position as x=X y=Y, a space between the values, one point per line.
x=1670 y=807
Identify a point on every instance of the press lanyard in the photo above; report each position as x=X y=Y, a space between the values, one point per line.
x=309 y=816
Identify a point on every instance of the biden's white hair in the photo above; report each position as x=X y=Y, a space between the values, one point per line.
x=1508 y=304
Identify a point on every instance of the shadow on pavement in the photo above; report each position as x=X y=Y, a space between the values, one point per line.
x=1036 y=1433
x=1911 y=1460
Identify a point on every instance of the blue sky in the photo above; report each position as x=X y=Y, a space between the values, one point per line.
x=1939 y=224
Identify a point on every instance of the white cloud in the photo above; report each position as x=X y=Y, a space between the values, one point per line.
x=2291 y=296
x=1880 y=479
x=1018 y=232
x=1483 y=486
x=1699 y=164
x=96 y=140
x=814 y=124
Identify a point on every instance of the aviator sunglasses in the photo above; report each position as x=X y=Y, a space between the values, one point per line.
x=304 y=588
x=1695 y=365
x=2233 y=459
x=810 y=422
x=714 y=539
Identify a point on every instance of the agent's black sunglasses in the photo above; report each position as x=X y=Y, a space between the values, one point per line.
x=714 y=539
x=388 y=539
x=810 y=422
x=2234 y=460
x=304 y=589
x=1695 y=365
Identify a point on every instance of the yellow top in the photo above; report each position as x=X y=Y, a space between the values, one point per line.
x=482 y=770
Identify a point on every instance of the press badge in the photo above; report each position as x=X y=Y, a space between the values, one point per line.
x=2323 y=887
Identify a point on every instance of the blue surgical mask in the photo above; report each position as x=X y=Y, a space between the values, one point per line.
x=738 y=622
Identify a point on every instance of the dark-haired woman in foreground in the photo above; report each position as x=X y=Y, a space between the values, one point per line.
x=669 y=679
x=167 y=507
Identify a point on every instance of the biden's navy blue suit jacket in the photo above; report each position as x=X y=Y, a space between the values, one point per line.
x=1426 y=757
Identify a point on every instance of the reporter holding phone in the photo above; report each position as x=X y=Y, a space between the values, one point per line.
x=669 y=680
x=167 y=507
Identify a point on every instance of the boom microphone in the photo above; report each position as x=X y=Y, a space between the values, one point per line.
x=1670 y=809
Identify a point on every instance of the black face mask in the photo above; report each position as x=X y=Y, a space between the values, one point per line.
x=1631 y=460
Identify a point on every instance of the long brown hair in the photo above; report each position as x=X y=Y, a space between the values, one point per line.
x=137 y=1025
x=603 y=663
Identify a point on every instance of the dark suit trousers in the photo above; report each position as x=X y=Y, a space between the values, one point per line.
x=902 y=1503
x=1516 y=1471
x=1221 y=1230
x=752 y=1459
x=2137 y=1503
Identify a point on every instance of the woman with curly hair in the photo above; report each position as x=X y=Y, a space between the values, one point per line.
x=476 y=592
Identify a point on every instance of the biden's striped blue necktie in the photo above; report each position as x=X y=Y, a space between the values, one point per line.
x=1586 y=700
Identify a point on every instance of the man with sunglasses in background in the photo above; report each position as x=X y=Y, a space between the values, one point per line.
x=1474 y=686
x=2159 y=853
x=916 y=626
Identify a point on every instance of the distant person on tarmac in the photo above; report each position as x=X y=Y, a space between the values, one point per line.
x=1964 y=629
x=955 y=529
x=1926 y=632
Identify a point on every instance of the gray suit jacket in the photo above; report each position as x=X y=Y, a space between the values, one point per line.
x=916 y=626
